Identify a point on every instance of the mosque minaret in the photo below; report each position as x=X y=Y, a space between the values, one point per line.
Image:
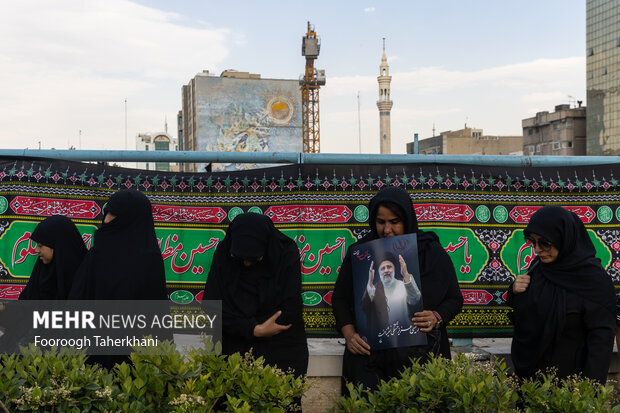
x=384 y=104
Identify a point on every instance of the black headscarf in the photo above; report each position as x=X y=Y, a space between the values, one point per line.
x=251 y=235
x=53 y=281
x=125 y=262
x=396 y=196
x=540 y=312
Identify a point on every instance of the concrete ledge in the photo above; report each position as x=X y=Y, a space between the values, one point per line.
x=325 y=357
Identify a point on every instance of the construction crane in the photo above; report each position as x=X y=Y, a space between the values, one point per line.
x=310 y=83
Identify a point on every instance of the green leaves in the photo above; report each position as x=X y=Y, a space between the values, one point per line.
x=200 y=381
x=465 y=385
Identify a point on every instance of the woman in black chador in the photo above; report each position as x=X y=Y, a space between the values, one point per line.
x=61 y=250
x=125 y=262
x=564 y=307
x=392 y=214
x=256 y=272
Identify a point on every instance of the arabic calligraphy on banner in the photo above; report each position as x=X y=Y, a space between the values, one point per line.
x=478 y=212
x=309 y=213
x=522 y=214
x=321 y=252
x=188 y=253
x=171 y=213
x=444 y=212
x=25 y=205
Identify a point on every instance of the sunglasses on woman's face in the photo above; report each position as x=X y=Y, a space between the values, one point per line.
x=543 y=244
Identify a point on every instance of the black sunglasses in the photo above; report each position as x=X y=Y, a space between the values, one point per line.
x=542 y=243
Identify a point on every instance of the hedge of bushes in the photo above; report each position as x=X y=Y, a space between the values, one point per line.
x=465 y=385
x=203 y=381
x=60 y=381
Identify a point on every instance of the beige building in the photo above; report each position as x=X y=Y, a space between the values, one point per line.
x=562 y=132
x=469 y=141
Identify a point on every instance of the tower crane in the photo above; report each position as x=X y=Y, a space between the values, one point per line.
x=310 y=83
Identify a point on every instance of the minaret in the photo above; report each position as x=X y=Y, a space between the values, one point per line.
x=384 y=104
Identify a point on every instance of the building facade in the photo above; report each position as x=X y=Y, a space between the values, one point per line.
x=160 y=141
x=468 y=141
x=239 y=112
x=562 y=132
x=603 y=77
x=384 y=104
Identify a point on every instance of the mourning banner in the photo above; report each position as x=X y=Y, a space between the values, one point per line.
x=478 y=212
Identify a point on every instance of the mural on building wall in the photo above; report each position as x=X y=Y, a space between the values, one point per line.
x=478 y=212
x=248 y=115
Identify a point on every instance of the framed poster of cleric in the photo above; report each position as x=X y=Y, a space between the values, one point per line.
x=387 y=291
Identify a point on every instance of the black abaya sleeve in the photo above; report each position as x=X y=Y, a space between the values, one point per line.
x=232 y=323
x=599 y=323
x=290 y=289
x=342 y=298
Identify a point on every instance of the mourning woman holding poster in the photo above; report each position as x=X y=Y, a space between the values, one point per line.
x=257 y=275
x=392 y=214
x=564 y=306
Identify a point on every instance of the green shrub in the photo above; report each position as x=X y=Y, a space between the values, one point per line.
x=57 y=380
x=574 y=394
x=465 y=385
x=60 y=381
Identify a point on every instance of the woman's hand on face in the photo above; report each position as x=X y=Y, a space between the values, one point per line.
x=521 y=283
x=269 y=327
x=425 y=320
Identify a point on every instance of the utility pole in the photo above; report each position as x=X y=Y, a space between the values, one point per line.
x=359 y=122
x=125 y=123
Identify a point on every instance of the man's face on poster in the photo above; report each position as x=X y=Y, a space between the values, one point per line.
x=386 y=271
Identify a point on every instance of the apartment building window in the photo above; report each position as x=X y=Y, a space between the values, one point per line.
x=567 y=144
x=590 y=51
x=538 y=147
x=556 y=146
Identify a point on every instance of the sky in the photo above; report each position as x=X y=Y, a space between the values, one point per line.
x=93 y=74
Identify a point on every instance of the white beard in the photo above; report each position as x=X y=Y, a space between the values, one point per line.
x=388 y=283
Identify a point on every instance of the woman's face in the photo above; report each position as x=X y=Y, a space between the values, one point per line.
x=547 y=252
x=387 y=223
x=46 y=254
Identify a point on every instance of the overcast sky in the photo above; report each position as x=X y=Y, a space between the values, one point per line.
x=68 y=66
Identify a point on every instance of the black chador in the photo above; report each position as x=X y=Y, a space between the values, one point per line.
x=125 y=262
x=566 y=317
x=53 y=281
x=256 y=272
